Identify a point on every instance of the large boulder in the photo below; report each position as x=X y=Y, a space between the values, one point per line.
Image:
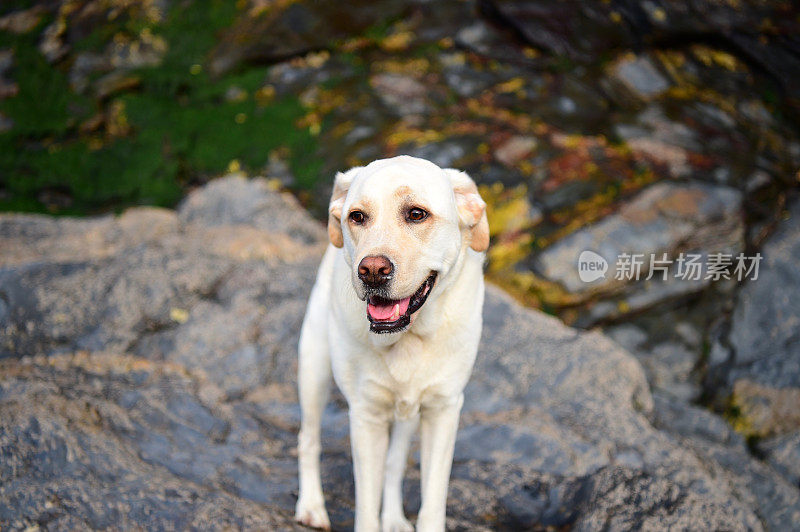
x=149 y=381
x=666 y=218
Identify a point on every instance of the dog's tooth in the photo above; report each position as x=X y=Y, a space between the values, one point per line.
x=396 y=313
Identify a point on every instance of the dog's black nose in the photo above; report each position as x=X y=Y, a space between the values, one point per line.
x=375 y=270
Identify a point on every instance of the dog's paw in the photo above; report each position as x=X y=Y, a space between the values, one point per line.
x=396 y=524
x=313 y=515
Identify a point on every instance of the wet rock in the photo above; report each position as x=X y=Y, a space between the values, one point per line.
x=664 y=218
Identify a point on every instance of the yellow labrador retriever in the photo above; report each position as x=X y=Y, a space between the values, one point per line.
x=395 y=316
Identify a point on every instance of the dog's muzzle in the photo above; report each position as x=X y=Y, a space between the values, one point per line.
x=393 y=315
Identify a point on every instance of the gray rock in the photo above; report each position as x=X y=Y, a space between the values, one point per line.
x=131 y=446
x=515 y=149
x=689 y=421
x=462 y=77
x=52 y=45
x=490 y=40
x=664 y=218
x=453 y=152
x=644 y=295
x=292 y=77
x=765 y=322
x=725 y=454
x=237 y=200
x=671 y=366
x=148 y=51
x=149 y=382
x=783 y=452
x=652 y=123
x=21 y=21
x=83 y=66
x=401 y=94
x=640 y=76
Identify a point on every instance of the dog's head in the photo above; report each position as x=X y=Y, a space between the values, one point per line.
x=404 y=224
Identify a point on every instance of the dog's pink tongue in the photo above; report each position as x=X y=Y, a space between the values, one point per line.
x=390 y=311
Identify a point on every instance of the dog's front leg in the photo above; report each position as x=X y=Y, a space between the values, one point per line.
x=438 y=426
x=369 y=438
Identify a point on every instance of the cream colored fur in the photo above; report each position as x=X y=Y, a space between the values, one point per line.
x=399 y=381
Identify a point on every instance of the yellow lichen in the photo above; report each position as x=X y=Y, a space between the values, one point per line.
x=512 y=85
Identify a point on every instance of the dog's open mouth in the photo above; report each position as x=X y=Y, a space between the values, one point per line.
x=393 y=315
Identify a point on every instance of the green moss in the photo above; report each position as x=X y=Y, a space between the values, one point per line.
x=45 y=104
x=176 y=128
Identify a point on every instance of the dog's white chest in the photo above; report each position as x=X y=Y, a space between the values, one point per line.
x=405 y=359
x=411 y=374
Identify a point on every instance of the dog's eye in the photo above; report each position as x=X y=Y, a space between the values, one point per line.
x=357 y=217
x=416 y=215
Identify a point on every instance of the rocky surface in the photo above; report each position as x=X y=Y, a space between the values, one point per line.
x=764 y=340
x=148 y=380
x=584 y=31
x=666 y=218
x=757 y=358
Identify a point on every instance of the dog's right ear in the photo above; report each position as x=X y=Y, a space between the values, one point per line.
x=471 y=208
x=340 y=187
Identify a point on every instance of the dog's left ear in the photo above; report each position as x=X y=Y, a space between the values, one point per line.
x=340 y=187
x=471 y=209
